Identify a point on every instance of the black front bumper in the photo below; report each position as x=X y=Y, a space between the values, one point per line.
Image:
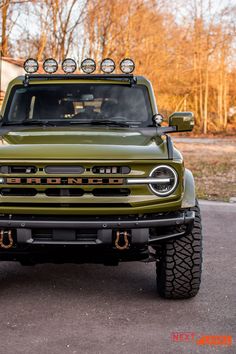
x=73 y=231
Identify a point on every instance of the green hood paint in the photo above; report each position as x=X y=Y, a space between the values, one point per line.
x=82 y=143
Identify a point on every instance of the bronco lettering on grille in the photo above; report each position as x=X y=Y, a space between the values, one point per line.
x=65 y=180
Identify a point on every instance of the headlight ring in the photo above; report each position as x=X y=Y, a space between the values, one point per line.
x=163 y=189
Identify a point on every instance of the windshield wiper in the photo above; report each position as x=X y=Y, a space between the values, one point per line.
x=38 y=122
x=109 y=122
x=102 y=122
x=54 y=123
x=30 y=122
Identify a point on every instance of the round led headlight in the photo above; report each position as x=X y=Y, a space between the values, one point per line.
x=31 y=66
x=50 y=66
x=88 y=66
x=127 y=66
x=108 y=66
x=68 y=66
x=166 y=180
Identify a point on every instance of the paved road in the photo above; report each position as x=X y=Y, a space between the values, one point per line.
x=212 y=141
x=52 y=309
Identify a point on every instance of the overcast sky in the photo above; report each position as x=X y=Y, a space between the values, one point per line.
x=181 y=8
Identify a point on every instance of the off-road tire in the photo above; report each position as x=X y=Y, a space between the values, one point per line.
x=180 y=266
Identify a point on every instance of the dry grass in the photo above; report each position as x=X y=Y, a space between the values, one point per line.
x=213 y=166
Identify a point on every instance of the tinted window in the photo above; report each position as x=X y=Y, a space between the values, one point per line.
x=80 y=103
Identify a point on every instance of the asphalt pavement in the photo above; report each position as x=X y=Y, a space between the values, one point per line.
x=54 y=309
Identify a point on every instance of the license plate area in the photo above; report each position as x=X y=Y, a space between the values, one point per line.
x=63 y=235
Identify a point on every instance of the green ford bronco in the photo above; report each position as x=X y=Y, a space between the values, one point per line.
x=88 y=174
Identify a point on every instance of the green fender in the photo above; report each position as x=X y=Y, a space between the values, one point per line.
x=189 y=190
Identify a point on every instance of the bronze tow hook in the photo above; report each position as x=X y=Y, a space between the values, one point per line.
x=125 y=240
x=6 y=241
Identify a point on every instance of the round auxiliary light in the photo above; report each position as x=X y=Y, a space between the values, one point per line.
x=108 y=66
x=50 y=66
x=127 y=66
x=166 y=180
x=31 y=66
x=88 y=66
x=69 y=65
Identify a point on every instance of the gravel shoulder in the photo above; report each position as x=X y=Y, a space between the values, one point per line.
x=213 y=163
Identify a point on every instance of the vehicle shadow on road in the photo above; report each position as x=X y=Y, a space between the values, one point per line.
x=136 y=279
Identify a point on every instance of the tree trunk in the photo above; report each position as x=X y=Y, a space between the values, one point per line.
x=225 y=104
x=55 y=9
x=205 y=120
x=200 y=95
x=42 y=45
x=195 y=85
x=4 y=11
x=220 y=100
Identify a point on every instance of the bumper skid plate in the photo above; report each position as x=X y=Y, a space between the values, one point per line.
x=96 y=231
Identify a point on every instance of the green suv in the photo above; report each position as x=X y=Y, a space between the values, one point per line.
x=88 y=174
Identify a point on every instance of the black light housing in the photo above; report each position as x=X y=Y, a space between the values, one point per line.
x=31 y=66
x=108 y=66
x=88 y=66
x=127 y=66
x=50 y=66
x=69 y=65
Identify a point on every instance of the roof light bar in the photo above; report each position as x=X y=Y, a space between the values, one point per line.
x=69 y=66
x=50 y=66
x=88 y=66
x=31 y=66
x=127 y=66
x=108 y=66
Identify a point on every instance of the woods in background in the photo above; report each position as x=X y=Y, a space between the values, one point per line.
x=187 y=49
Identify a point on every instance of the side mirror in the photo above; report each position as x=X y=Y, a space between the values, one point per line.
x=183 y=121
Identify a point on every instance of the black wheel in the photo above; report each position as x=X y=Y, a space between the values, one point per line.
x=180 y=266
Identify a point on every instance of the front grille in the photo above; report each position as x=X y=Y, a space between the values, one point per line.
x=111 y=170
x=23 y=192
x=72 y=184
x=64 y=169
x=18 y=169
x=39 y=181
x=111 y=192
x=64 y=192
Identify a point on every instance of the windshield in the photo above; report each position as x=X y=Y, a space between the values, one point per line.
x=79 y=104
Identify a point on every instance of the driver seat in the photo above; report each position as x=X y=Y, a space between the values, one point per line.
x=46 y=108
